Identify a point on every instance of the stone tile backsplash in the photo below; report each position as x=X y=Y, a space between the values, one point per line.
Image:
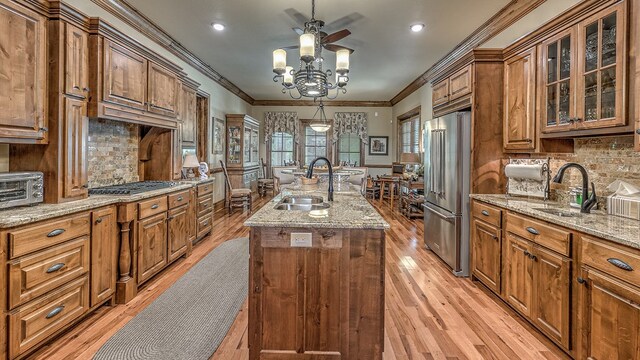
x=112 y=155
x=606 y=159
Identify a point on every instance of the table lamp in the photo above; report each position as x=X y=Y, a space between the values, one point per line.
x=191 y=162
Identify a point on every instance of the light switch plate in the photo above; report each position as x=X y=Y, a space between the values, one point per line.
x=301 y=240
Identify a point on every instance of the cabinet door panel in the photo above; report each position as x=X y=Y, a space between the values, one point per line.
x=189 y=119
x=125 y=76
x=612 y=312
x=519 y=274
x=23 y=62
x=486 y=254
x=520 y=96
x=440 y=93
x=178 y=232
x=558 y=85
x=460 y=83
x=152 y=246
x=75 y=138
x=176 y=159
x=551 y=310
x=163 y=91
x=104 y=254
x=76 y=62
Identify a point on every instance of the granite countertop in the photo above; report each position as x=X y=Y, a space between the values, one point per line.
x=614 y=228
x=349 y=210
x=29 y=214
x=197 y=180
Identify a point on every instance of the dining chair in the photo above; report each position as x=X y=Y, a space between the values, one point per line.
x=235 y=198
x=264 y=182
x=359 y=180
x=280 y=179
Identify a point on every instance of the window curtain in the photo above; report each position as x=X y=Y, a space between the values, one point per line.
x=350 y=123
x=281 y=121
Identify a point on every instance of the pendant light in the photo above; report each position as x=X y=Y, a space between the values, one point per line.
x=320 y=125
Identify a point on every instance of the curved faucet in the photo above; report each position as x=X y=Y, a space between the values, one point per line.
x=310 y=174
x=587 y=202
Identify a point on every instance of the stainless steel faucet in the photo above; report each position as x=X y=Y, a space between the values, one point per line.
x=587 y=202
x=310 y=174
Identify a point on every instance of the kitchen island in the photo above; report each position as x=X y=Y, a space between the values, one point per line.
x=316 y=278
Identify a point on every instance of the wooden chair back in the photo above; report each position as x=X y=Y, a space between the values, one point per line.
x=226 y=176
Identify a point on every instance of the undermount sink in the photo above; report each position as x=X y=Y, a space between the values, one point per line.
x=303 y=207
x=559 y=212
x=302 y=200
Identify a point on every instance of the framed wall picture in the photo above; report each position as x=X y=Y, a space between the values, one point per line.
x=217 y=143
x=378 y=145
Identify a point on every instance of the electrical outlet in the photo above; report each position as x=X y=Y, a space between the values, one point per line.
x=300 y=239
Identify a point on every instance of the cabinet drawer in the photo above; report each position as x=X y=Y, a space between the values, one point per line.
x=204 y=205
x=204 y=189
x=36 y=237
x=38 y=320
x=33 y=275
x=487 y=213
x=178 y=199
x=204 y=225
x=621 y=263
x=152 y=207
x=554 y=238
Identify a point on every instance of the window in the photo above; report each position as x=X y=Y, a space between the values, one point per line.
x=410 y=136
x=349 y=149
x=315 y=144
x=281 y=148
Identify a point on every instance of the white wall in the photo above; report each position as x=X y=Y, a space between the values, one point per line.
x=380 y=125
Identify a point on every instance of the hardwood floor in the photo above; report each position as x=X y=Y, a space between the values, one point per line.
x=430 y=314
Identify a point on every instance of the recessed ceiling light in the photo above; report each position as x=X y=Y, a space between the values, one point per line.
x=417 y=27
x=218 y=26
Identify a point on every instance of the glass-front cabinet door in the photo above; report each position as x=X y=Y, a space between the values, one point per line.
x=601 y=69
x=255 y=143
x=234 y=145
x=247 y=146
x=558 y=77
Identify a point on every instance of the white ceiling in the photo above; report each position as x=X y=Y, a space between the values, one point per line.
x=387 y=55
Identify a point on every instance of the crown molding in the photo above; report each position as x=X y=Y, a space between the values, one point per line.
x=132 y=17
x=326 y=103
x=506 y=17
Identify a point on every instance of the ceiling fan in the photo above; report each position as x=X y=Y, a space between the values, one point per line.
x=315 y=26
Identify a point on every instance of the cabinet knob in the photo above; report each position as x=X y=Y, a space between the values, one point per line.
x=44 y=128
x=527 y=254
x=86 y=89
x=581 y=281
x=98 y=220
x=638 y=131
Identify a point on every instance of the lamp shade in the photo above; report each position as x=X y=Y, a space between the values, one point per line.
x=409 y=158
x=191 y=161
x=288 y=76
x=307 y=47
x=279 y=61
x=342 y=61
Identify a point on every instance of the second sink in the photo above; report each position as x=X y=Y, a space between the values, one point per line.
x=303 y=207
x=308 y=200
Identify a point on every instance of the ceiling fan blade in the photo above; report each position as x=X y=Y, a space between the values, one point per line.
x=334 y=48
x=339 y=35
x=297 y=16
x=290 y=47
x=297 y=30
x=344 y=21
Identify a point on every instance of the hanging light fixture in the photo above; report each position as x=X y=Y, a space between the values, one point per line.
x=321 y=124
x=310 y=80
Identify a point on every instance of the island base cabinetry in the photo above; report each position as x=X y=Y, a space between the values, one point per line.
x=321 y=301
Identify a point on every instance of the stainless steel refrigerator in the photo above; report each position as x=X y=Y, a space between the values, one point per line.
x=447 y=156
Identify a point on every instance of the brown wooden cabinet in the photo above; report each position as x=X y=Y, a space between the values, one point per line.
x=188 y=117
x=242 y=151
x=487 y=243
x=163 y=91
x=460 y=83
x=76 y=74
x=152 y=246
x=520 y=101
x=518 y=286
x=24 y=65
x=440 y=93
x=178 y=235
x=104 y=254
x=75 y=134
x=124 y=76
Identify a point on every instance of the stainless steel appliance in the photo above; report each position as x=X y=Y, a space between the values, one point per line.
x=446 y=174
x=20 y=188
x=131 y=188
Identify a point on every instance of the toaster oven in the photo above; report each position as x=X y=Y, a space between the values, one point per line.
x=20 y=188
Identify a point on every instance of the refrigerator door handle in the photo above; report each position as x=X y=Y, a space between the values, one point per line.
x=448 y=218
x=442 y=158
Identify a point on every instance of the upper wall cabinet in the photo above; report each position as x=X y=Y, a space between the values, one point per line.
x=124 y=76
x=23 y=63
x=452 y=90
x=163 y=91
x=519 y=99
x=76 y=79
x=188 y=117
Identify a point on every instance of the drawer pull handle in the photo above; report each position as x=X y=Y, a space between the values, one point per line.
x=55 y=267
x=581 y=280
x=527 y=254
x=485 y=213
x=55 y=232
x=180 y=198
x=55 y=312
x=533 y=231
x=155 y=206
x=619 y=263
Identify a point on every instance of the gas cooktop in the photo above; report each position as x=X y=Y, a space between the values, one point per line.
x=131 y=188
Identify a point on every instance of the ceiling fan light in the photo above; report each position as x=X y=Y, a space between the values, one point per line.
x=279 y=61
x=342 y=61
x=307 y=47
x=288 y=75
